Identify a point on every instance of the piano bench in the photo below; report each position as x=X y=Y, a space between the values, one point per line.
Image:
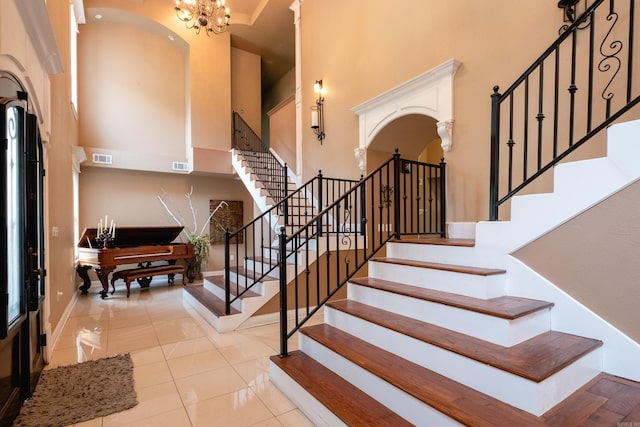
x=146 y=272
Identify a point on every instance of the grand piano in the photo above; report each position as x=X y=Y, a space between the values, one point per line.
x=132 y=245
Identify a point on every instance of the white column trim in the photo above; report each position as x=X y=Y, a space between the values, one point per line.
x=296 y=8
x=429 y=94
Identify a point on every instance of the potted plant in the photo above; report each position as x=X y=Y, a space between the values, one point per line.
x=201 y=240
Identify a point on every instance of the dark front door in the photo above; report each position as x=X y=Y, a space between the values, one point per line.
x=21 y=254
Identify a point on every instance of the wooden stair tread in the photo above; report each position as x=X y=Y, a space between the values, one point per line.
x=249 y=273
x=436 y=240
x=209 y=300
x=462 y=403
x=347 y=402
x=219 y=282
x=480 y=271
x=535 y=359
x=505 y=307
x=605 y=400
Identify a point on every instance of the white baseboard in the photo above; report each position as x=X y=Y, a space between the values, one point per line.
x=53 y=336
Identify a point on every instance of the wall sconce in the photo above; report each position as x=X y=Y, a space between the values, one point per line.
x=317 y=116
x=571 y=11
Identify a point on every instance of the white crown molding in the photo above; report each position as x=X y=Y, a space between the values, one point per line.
x=429 y=94
x=37 y=24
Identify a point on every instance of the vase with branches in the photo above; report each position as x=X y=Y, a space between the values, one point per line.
x=201 y=239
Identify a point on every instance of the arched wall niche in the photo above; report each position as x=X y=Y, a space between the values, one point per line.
x=429 y=94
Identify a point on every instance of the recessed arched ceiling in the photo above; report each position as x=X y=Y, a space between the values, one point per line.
x=409 y=134
x=262 y=27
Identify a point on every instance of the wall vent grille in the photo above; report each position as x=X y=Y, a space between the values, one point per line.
x=102 y=159
x=180 y=166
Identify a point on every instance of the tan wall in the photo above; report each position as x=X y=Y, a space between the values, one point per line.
x=273 y=305
x=131 y=199
x=351 y=48
x=594 y=259
x=282 y=131
x=245 y=87
x=131 y=96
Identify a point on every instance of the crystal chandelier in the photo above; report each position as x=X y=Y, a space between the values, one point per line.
x=211 y=15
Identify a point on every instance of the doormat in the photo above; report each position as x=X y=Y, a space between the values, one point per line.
x=75 y=393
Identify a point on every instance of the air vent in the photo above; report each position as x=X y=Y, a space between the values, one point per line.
x=102 y=159
x=180 y=166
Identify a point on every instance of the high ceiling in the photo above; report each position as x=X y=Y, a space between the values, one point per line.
x=269 y=33
x=263 y=27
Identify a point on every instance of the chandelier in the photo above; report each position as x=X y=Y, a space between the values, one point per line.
x=211 y=15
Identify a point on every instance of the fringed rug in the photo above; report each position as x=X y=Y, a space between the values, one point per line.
x=76 y=393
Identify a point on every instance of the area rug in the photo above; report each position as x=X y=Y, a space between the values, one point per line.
x=75 y=393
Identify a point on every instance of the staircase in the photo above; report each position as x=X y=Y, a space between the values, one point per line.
x=251 y=278
x=254 y=279
x=455 y=331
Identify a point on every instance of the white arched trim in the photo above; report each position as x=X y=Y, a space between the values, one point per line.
x=429 y=94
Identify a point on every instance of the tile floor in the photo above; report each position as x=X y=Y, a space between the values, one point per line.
x=185 y=373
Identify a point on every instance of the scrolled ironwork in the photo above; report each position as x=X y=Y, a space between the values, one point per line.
x=610 y=59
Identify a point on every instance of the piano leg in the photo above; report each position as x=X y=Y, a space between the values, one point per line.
x=103 y=275
x=82 y=271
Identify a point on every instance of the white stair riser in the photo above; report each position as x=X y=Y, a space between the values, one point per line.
x=579 y=177
x=623 y=148
x=233 y=321
x=244 y=281
x=536 y=398
x=408 y=407
x=457 y=255
x=190 y=301
x=458 y=283
x=219 y=292
x=497 y=330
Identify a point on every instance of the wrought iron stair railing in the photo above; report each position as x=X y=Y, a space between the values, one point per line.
x=581 y=84
x=401 y=197
x=269 y=170
x=255 y=242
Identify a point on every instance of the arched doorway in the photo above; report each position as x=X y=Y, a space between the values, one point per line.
x=415 y=136
x=430 y=94
x=21 y=246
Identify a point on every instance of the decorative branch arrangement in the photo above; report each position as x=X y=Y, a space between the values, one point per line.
x=201 y=240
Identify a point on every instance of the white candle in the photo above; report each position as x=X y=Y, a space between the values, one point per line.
x=314 y=118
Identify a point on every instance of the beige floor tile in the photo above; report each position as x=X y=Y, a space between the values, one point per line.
x=198 y=388
x=246 y=351
x=227 y=339
x=70 y=356
x=135 y=339
x=129 y=318
x=184 y=348
x=185 y=372
x=174 y=330
x=294 y=418
x=151 y=374
x=271 y=422
x=197 y=363
x=154 y=400
x=175 y=418
x=240 y=408
x=272 y=397
x=256 y=370
x=147 y=355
